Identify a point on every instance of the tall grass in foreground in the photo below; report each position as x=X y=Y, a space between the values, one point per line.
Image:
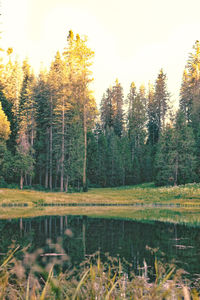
x=22 y=278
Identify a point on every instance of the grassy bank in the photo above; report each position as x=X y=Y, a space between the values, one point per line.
x=168 y=204
x=183 y=215
x=139 y=194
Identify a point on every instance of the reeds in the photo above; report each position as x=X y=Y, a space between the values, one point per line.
x=22 y=278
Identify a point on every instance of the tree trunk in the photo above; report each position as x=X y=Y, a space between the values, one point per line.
x=21 y=180
x=66 y=183
x=50 y=146
x=47 y=160
x=26 y=181
x=32 y=140
x=85 y=189
x=176 y=171
x=62 y=148
x=56 y=176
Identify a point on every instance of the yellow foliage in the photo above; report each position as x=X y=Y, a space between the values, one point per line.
x=4 y=125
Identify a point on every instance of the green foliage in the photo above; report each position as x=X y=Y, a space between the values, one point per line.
x=4 y=125
x=112 y=114
x=175 y=159
x=52 y=139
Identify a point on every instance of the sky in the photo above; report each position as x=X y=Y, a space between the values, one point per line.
x=132 y=39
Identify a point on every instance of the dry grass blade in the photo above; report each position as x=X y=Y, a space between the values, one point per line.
x=110 y=291
x=46 y=284
x=167 y=276
x=27 y=289
x=9 y=257
x=80 y=283
x=156 y=269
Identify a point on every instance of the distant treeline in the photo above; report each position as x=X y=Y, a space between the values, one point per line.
x=53 y=137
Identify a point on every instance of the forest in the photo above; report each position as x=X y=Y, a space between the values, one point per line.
x=53 y=136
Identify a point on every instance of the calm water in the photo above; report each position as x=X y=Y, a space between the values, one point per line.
x=126 y=239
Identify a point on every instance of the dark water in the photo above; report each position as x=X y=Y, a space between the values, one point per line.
x=128 y=239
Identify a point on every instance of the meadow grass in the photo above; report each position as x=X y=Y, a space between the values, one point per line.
x=179 y=204
x=139 y=194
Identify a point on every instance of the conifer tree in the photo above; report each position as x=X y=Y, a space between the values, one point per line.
x=161 y=99
x=186 y=97
x=175 y=158
x=117 y=105
x=12 y=81
x=136 y=123
x=190 y=89
x=26 y=131
x=78 y=59
x=42 y=117
x=106 y=109
x=152 y=125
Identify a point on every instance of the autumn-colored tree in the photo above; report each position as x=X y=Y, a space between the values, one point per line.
x=78 y=58
x=4 y=125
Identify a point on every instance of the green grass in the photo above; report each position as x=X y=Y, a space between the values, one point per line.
x=153 y=203
x=141 y=194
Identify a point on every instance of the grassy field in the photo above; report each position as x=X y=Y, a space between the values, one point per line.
x=169 y=204
x=144 y=194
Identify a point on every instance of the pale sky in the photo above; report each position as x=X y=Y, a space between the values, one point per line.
x=132 y=39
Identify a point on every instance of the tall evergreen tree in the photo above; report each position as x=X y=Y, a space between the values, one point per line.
x=106 y=109
x=175 y=159
x=42 y=117
x=26 y=131
x=78 y=58
x=161 y=99
x=117 y=105
x=136 y=124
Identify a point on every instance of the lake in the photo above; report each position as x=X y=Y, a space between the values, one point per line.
x=81 y=236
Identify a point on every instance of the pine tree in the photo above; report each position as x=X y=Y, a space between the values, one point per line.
x=190 y=89
x=152 y=125
x=42 y=118
x=12 y=81
x=117 y=105
x=112 y=114
x=78 y=59
x=114 y=161
x=186 y=97
x=190 y=95
x=106 y=109
x=102 y=150
x=161 y=99
x=175 y=158
x=26 y=132
x=136 y=124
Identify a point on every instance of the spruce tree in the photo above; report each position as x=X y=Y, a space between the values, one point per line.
x=117 y=105
x=175 y=158
x=78 y=59
x=136 y=124
x=161 y=99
